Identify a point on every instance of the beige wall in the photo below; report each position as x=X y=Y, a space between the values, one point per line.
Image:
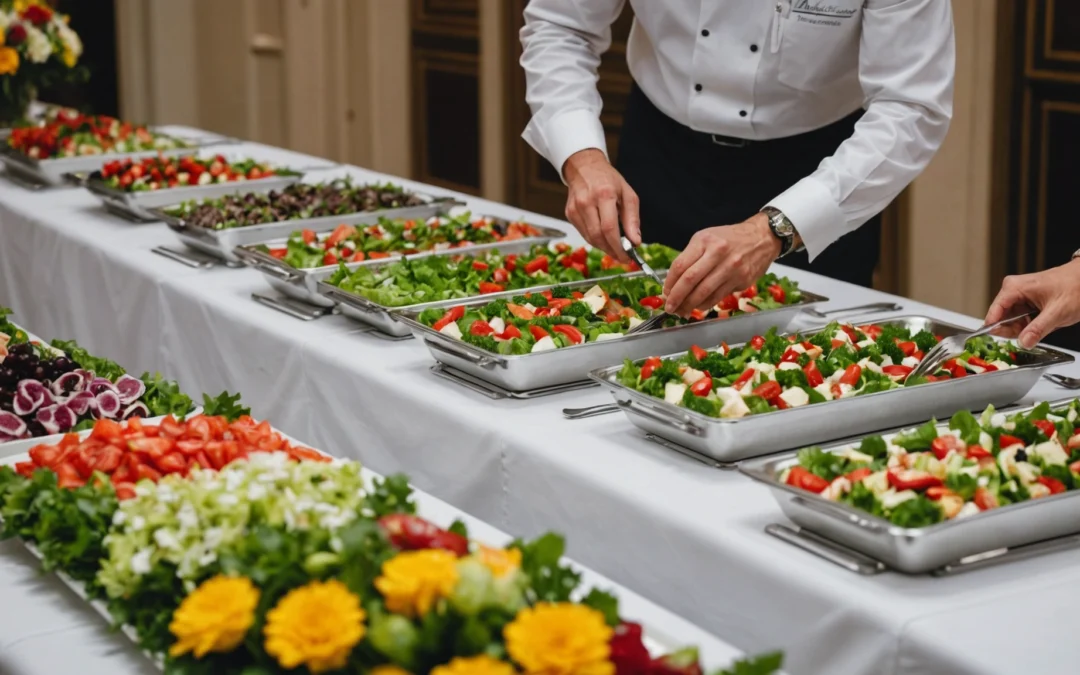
x=331 y=78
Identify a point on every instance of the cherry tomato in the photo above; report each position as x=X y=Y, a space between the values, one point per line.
x=769 y=390
x=699 y=353
x=452 y=315
x=650 y=365
x=852 y=374
x=757 y=342
x=570 y=332
x=801 y=478
x=488 y=287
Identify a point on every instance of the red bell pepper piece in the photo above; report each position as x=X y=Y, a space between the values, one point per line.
x=651 y=364
x=412 y=533
x=801 y=478
x=912 y=480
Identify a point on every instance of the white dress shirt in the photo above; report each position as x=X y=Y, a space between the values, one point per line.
x=758 y=70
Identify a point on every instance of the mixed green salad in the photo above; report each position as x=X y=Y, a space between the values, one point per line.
x=562 y=316
x=306 y=249
x=773 y=373
x=436 y=278
x=927 y=475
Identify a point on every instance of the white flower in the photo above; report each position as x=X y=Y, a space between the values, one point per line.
x=140 y=562
x=68 y=37
x=38 y=47
x=5 y=21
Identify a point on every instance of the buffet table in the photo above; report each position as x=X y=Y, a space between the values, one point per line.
x=687 y=536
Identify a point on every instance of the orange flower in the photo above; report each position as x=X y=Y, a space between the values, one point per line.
x=9 y=61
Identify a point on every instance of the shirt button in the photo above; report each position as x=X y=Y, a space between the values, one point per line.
x=698 y=87
x=742 y=113
x=705 y=32
x=753 y=48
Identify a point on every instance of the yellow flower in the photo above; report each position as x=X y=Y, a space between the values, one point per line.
x=69 y=58
x=9 y=61
x=316 y=625
x=389 y=670
x=477 y=665
x=560 y=639
x=413 y=581
x=214 y=617
x=501 y=561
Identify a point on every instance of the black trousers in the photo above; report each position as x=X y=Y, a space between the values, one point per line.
x=687 y=183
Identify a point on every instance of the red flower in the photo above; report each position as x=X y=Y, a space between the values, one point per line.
x=37 y=15
x=628 y=654
x=16 y=35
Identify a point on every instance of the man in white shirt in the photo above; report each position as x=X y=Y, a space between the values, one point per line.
x=744 y=138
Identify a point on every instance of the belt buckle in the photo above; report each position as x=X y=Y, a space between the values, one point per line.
x=729 y=141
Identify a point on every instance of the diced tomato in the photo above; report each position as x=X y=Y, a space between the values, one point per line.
x=173 y=462
x=580 y=267
x=510 y=333
x=757 y=342
x=790 y=356
x=912 y=480
x=540 y=263
x=580 y=255
x=124 y=490
x=985 y=499
x=977 y=452
x=25 y=469
x=746 y=376
x=308 y=236
x=897 y=370
x=510 y=262
x=487 y=287
x=1008 y=441
x=801 y=478
x=67 y=476
x=730 y=303
x=377 y=255
x=340 y=234
x=919 y=354
x=279 y=253
x=837 y=343
x=570 y=332
x=1046 y=426
x=607 y=262
x=650 y=365
x=813 y=376
x=500 y=276
x=538 y=333
x=909 y=348
x=358 y=257
x=46 y=455
x=937 y=492
x=1054 y=484
x=560 y=303
x=769 y=390
x=652 y=302
x=851 y=375
x=453 y=314
x=108 y=460
x=107 y=430
x=943 y=445
x=976 y=361
x=699 y=353
x=703 y=386
x=850 y=332
x=577 y=295
x=873 y=331
x=858 y=474
x=329 y=259
x=481 y=327
x=697 y=315
x=777 y=292
x=480 y=265
x=146 y=472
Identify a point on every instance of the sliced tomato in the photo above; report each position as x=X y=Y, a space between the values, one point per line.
x=151 y=447
x=83 y=462
x=872 y=330
x=937 y=492
x=377 y=255
x=124 y=490
x=897 y=370
x=487 y=287
x=358 y=257
x=480 y=265
x=757 y=342
x=730 y=303
x=652 y=302
x=580 y=255
x=560 y=303
x=540 y=263
x=107 y=430
x=25 y=469
x=1054 y=484
x=46 y=455
x=108 y=460
x=777 y=292
x=147 y=472
x=510 y=333
x=607 y=262
x=173 y=462
x=703 y=386
x=1007 y=441
x=985 y=499
x=977 y=361
x=650 y=365
x=1046 y=426
x=699 y=353
x=943 y=445
x=67 y=476
x=340 y=234
x=851 y=333
x=510 y=262
x=279 y=253
x=308 y=236
x=570 y=332
x=814 y=378
x=481 y=327
x=801 y=478
x=580 y=267
x=837 y=343
x=538 y=333
x=909 y=348
x=769 y=390
x=851 y=375
x=858 y=474
x=790 y=356
x=977 y=452
x=520 y=311
x=500 y=275
x=746 y=376
x=453 y=314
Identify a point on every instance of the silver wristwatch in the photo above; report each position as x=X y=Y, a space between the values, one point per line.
x=782 y=228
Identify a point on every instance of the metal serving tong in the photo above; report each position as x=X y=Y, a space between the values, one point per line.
x=954 y=345
x=658 y=319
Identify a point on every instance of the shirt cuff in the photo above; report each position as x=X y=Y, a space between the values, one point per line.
x=811 y=208
x=564 y=134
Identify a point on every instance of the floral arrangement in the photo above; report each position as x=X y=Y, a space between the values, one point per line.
x=37 y=49
x=271 y=565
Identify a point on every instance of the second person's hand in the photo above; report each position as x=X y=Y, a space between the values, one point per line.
x=599 y=198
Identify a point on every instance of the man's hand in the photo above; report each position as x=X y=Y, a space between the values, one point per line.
x=1054 y=294
x=719 y=261
x=598 y=197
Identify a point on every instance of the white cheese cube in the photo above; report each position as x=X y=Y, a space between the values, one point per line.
x=891 y=499
x=452 y=330
x=766 y=369
x=842 y=336
x=910 y=362
x=497 y=325
x=1051 y=452
x=877 y=482
x=596 y=303
x=788 y=365
x=734 y=405
x=673 y=392
x=1001 y=365
x=635 y=322
x=824 y=390
x=863 y=344
x=544 y=344
x=969 y=509
x=795 y=397
x=986 y=440
x=798 y=348
x=692 y=375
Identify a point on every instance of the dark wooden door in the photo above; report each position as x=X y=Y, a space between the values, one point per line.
x=1043 y=228
x=535 y=185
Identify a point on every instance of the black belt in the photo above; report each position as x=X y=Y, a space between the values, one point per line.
x=727 y=141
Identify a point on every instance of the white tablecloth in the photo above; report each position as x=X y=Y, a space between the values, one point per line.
x=684 y=535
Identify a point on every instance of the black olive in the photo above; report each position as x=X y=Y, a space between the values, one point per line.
x=1021 y=456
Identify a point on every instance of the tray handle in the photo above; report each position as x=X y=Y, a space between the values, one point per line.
x=486 y=362
x=825 y=549
x=827 y=508
x=76 y=178
x=253 y=259
x=661 y=416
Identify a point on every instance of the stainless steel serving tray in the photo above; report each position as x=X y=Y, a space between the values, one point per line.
x=388 y=320
x=733 y=440
x=51 y=172
x=922 y=549
x=303 y=284
x=136 y=206
x=526 y=372
x=222 y=244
